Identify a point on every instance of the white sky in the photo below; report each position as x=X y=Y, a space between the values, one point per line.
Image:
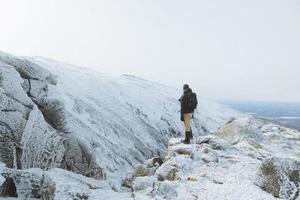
x=229 y=49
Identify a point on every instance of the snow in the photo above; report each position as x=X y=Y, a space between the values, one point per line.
x=69 y=186
x=115 y=125
x=124 y=120
x=213 y=168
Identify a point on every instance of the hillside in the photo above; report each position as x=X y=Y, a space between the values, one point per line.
x=70 y=133
x=56 y=115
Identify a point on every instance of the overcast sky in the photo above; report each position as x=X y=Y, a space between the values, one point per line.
x=229 y=49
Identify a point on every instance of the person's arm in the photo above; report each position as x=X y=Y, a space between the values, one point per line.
x=196 y=101
x=182 y=103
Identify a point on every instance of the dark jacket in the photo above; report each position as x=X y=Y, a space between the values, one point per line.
x=186 y=106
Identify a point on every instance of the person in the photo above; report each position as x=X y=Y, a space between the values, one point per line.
x=188 y=103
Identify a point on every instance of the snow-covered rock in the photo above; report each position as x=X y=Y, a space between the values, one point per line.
x=213 y=167
x=280 y=177
x=41 y=144
x=55 y=184
x=241 y=129
x=26 y=184
x=142 y=183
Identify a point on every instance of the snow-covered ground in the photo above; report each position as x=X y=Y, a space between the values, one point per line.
x=73 y=133
x=124 y=120
x=217 y=167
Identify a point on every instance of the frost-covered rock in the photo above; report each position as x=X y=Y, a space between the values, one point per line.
x=241 y=129
x=210 y=157
x=214 y=142
x=33 y=123
x=41 y=144
x=70 y=186
x=167 y=172
x=280 y=177
x=15 y=107
x=142 y=183
x=55 y=184
x=141 y=170
x=213 y=168
x=28 y=69
x=26 y=184
x=148 y=168
x=154 y=162
x=166 y=190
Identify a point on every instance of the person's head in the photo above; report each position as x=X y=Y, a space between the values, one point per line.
x=186 y=87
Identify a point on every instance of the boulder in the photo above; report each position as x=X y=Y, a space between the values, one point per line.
x=141 y=170
x=142 y=183
x=214 y=142
x=128 y=181
x=240 y=129
x=24 y=184
x=153 y=162
x=280 y=177
x=168 y=171
x=165 y=189
x=210 y=157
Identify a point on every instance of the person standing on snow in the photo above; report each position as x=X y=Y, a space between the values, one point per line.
x=188 y=104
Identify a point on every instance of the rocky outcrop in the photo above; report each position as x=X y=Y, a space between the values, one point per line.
x=15 y=108
x=54 y=184
x=148 y=168
x=168 y=171
x=78 y=159
x=159 y=181
x=33 y=128
x=26 y=184
x=42 y=145
x=240 y=129
x=280 y=177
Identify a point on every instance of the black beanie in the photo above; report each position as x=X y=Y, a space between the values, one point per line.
x=186 y=86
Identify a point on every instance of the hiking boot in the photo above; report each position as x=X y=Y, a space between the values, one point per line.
x=191 y=135
x=187 y=138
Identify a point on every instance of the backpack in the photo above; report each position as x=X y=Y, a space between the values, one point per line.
x=192 y=100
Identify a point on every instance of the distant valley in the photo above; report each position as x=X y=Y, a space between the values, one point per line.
x=283 y=112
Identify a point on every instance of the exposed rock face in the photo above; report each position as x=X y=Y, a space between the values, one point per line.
x=33 y=127
x=54 y=184
x=78 y=159
x=27 y=184
x=15 y=111
x=280 y=177
x=42 y=145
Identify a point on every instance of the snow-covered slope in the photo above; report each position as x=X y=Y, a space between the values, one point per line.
x=58 y=115
x=124 y=120
x=68 y=132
